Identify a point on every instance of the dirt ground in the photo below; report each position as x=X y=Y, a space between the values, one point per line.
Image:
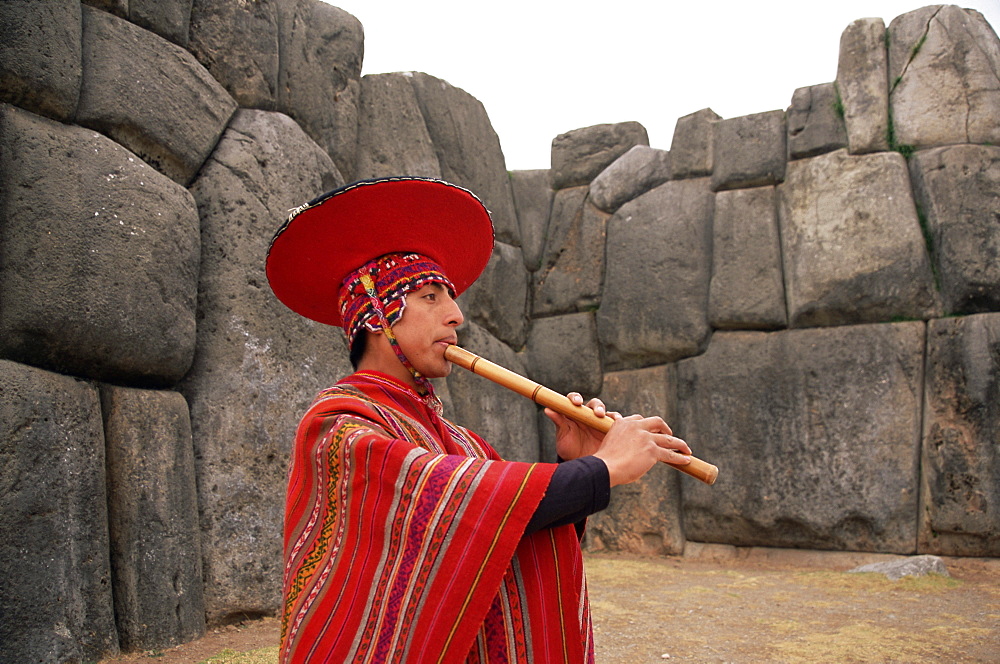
x=722 y=604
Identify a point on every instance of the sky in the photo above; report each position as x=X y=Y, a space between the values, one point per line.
x=545 y=67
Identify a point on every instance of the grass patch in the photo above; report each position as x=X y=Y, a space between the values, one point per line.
x=838 y=102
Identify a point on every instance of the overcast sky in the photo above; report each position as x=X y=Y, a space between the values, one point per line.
x=543 y=67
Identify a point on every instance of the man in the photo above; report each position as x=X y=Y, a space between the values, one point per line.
x=407 y=537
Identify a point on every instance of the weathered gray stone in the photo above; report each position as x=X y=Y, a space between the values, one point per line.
x=498 y=300
x=98 y=256
x=55 y=597
x=392 y=134
x=149 y=95
x=957 y=189
x=654 y=308
x=894 y=570
x=533 y=201
x=468 y=149
x=750 y=151
x=171 y=19
x=862 y=80
x=644 y=517
x=692 y=147
x=944 y=69
x=580 y=155
x=563 y=354
x=960 y=496
x=116 y=7
x=851 y=241
x=153 y=516
x=506 y=420
x=40 y=56
x=320 y=50
x=237 y=42
x=816 y=434
x=747 y=290
x=815 y=122
x=547 y=438
x=634 y=173
x=573 y=265
x=258 y=364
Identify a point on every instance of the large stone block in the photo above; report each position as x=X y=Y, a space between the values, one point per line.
x=654 y=308
x=573 y=265
x=816 y=434
x=468 y=149
x=644 y=517
x=116 y=7
x=944 y=69
x=237 y=42
x=149 y=95
x=533 y=201
x=750 y=151
x=171 y=19
x=957 y=189
x=258 y=365
x=692 y=147
x=498 y=300
x=55 y=596
x=40 y=55
x=851 y=241
x=153 y=516
x=580 y=155
x=99 y=256
x=815 y=122
x=634 y=173
x=563 y=354
x=319 y=73
x=960 y=493
x=747 y=290
x=862 y=73
x=392 y=134
x=505 y=419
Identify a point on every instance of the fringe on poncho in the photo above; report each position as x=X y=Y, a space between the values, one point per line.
x=404 y=542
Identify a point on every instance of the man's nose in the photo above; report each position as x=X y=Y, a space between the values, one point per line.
x=455 y=316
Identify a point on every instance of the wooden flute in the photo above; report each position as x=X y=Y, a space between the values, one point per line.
x=542 y=395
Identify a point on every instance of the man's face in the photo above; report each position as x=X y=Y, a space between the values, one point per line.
x=427 y=328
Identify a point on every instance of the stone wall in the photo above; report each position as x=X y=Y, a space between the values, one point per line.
x=811 y=297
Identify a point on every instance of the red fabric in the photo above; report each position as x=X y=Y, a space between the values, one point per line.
x=403 y=542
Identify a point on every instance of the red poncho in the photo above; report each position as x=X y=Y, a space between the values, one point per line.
x=403 y=542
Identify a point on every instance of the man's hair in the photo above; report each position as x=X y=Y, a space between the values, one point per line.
x=358 y=348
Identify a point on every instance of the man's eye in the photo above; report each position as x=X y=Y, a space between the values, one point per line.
x=431 y=296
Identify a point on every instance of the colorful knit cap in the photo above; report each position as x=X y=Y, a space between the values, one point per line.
x=373 y=297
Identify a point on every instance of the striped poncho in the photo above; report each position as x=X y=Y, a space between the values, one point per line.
x=403 y=542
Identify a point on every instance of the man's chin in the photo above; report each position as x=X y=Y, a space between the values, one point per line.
x=438 y=371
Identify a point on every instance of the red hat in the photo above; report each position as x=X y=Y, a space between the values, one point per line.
x=326 y=239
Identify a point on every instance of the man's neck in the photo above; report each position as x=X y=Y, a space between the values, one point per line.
x=380 y=357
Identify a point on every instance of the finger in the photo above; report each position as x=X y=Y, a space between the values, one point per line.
x=676 y=458
x=576 y=398
x=672 y=443
x=598 y=407
x=657 y=425
x=557 y=418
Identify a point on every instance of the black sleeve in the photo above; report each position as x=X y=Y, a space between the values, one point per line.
x=578 y=488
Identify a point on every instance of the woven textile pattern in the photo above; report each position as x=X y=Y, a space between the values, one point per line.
x=394 y=275
x=403 y=542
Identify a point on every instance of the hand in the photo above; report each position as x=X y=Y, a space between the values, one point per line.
x=635 y=444
x=575 y=440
